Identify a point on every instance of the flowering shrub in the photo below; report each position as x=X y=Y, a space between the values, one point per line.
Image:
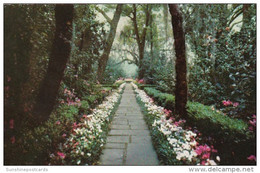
x=181 y=143
x=252 y=123
x=84 y=144
x=141 y=81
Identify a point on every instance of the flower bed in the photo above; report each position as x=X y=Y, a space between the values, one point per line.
x=234 y=138
x=174 y=144
x=84 y=143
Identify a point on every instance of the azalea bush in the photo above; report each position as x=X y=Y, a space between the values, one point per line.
x=174 y=144
x=84 y=143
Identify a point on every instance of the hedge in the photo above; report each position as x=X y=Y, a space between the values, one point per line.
x=163 y=99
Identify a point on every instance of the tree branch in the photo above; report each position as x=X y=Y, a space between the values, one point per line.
x=104 y=14
x=237 y=13
x=231 y=27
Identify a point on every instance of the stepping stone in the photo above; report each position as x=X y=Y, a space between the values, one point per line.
x=120 y=122
x=136 y=122
x=118 y=139
x=139 y=154
x=138 y=127
x=128 y=132
x=120 y=127
x=112 y=157
x=141 y=139
x=115 y=146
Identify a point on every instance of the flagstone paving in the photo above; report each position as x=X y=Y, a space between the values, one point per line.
x=129 y=141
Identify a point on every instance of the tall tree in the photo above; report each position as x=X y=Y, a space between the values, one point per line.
x=141 y=38
x=102 y=62
x=180 y=65
x=59 y=56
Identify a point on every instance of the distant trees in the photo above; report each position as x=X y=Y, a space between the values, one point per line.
x=59 y=56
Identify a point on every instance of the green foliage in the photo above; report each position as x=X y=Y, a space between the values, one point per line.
x=41 y=141
x=163 y=99
x=224 y=64
x=113 y=71
x=231 y=136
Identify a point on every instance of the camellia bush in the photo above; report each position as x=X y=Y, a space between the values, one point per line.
x=174 y=144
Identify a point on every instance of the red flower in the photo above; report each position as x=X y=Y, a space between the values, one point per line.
x=252 y=157
x=11 y=124
x=61 y=155
x=13 y=139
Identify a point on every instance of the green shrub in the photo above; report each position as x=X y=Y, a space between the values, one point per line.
x=45 y=139
x=163 y=99
x=84 y=107
x=232 y=138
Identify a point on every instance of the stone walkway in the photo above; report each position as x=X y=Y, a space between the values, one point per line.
x=129 y=141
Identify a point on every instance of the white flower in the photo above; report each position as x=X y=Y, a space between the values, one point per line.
x=89 y=154
x=218 y=158
x=211 y=162
x=78 y=162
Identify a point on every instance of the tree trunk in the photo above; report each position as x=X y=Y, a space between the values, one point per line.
x=181 y=78
x=102 y=62
x=141 y=38
x=60 y=54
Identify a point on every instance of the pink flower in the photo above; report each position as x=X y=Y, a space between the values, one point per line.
x=74 y=125
x=64 y=135
x=61 y=155
x=8 y=78
x=141 y=81
x=253 y=122
x=57 y=122
x=11 y=124
x=203 y=162
x=85 y=116
x=227 y=102
x=253 y=116
x=13 y=139
x=235 y=104
x=206 y=156
x=252 y=157
x=251 y=128
x=202 y=149
x=7 y=88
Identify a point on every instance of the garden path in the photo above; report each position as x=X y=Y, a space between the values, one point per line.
x=129 y=141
